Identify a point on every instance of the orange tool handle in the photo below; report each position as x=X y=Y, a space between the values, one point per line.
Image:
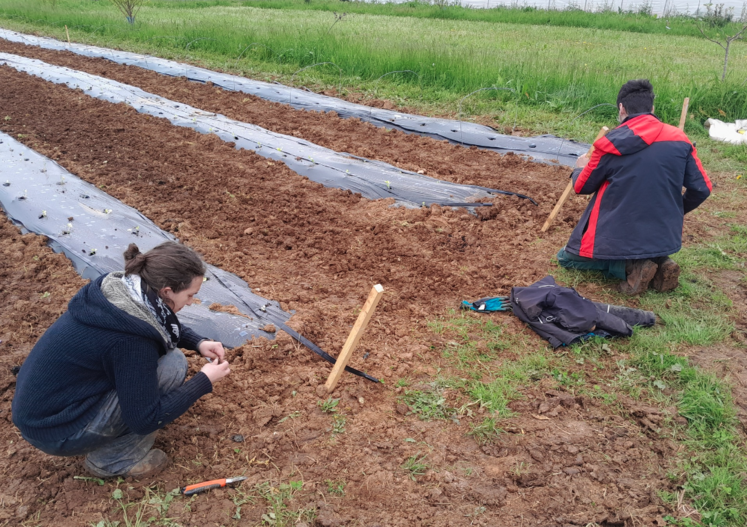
x=202 y=487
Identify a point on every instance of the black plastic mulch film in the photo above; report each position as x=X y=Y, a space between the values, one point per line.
x=543 y=148
x=93 y=229
x=372 y=179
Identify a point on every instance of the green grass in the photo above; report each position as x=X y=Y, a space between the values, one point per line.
x=550 y=68
x=428 y=404
x=636 y=22
x=415 y=465
x=485 y=431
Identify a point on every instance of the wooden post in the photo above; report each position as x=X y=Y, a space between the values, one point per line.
x=569 y=187
x=683 y=116
x=354 y=337
x=68 y=35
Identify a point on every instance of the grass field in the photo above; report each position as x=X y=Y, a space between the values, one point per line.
x=555 y=69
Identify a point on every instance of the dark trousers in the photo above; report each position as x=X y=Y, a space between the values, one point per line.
x=111 y=448
x=610 y=268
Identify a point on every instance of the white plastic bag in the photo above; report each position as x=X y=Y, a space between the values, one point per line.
x=734 y=133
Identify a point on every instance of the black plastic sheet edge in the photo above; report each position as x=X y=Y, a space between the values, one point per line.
x=372 y=179
x=544 y=148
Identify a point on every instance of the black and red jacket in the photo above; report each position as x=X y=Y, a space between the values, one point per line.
x=636 y=174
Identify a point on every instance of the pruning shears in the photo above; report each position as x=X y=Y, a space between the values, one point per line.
x=207 y=485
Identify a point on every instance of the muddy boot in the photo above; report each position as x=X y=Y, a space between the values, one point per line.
x=667 y=277
x=153 y=463
x=639 y=273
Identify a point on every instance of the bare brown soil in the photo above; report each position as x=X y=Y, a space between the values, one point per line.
x=564 y=460
x=437 y=159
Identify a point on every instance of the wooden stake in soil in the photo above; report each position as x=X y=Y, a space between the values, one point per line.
x=685 y=105
x=354 y=337
x=68 y=35
x=569 y=188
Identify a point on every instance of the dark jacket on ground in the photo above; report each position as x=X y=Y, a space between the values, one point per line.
x=92 y=349
x=636 y=174
x=563 y=317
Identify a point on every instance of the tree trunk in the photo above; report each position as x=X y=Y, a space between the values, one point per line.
x=726 y=59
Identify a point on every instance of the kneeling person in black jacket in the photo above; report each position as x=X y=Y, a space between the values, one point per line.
x=108 y=373
x=636 y=175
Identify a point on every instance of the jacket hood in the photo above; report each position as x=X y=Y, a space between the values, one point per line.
x=91 y=308
x=637 y=132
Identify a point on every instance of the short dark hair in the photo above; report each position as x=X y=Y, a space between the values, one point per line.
x=636 y=96
x=170 y=264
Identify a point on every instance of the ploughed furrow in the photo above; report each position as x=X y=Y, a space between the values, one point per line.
x=373 y=180
x=93 y=230
x=545 y=148
x=438 y=159
x=276 y=230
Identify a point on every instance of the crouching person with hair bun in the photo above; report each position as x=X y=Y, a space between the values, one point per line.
x=108 y=373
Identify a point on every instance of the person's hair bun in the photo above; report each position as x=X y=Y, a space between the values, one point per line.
x=134 y=260
x=131 y=252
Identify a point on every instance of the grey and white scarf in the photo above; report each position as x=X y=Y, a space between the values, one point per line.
x=141 y=293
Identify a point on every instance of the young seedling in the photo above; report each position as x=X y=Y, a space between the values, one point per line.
x=92 y=252
x=415 y=465
x=43 y=214
x=69 y=229
x=335 y=487
x=25 y=195
x=7 y=183
x=61 y=181
x=329 y=406
x=388 y=185
x=107 y=211
x=338 y=424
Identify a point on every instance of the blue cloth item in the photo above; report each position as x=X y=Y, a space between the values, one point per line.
x=610 y=268
x=111 y=447
x=91 y=350
x=488 y=304
x=636 y=174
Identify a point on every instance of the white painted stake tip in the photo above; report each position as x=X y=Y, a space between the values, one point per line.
x=379 y=288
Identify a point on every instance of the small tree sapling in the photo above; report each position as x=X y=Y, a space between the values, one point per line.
x=715 y=26
x=129 y=8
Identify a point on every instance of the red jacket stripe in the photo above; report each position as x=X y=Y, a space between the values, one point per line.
x=702 y=170
x=601 y=146
x=587 y=242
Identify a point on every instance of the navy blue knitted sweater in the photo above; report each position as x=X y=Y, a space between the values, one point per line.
x=92 y=349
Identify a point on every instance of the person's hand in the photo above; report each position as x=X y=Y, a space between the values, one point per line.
x=216 y=371
x=582 y=161
x=212 y=350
